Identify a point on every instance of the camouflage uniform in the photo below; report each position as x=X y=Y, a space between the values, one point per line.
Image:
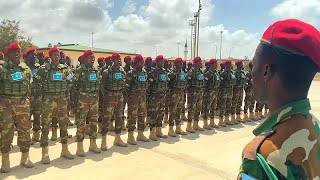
x=237 y=98
x=228 y=80
x=210 y=97
x=87 y=84
x=249 y=100
x=158 y=86
x=195 y=97
x=288 y=140
x=177 y=85
x=167 y=101
x=149 y=70
x=113 y=84
x=14 y=109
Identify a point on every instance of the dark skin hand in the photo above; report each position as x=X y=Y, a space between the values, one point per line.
x=265 y=78
x=14 y=56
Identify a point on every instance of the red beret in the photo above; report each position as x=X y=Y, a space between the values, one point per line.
x=206 y=63
x=1 y=54
x=177 y=60
x=68 y=57
x=53 y=49
x=40 y=53
x=115 y=55
x=165 y=60
x=153 y=61
x=13 y=46
x=30 y=50
x=80 y=58
x=295 y=36
x=227 y=62
x=197 y=59
x=184 y=61
x=108 y=58
x=190 y=63
x=148 y=59
x=127 y=58
x=212 y=61
x=100 y=59
x=61 y=52
x=160 y=57
x=250 y=63
x=87 y=53
x=222 y=63
x=137 y=59
x=239 y=61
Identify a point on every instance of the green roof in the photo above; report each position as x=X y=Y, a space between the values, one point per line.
x=77 y=47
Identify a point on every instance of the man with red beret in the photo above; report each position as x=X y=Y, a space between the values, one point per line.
x=62 y=57
x=55 y=80
x=166 y=102
x=222 y=68
x=249 y=100
x=41 y=57
x=189 y=66
x=158 y=79
x=195 y=95
x=87 y=81
x=127 y=67
x=183 y=110
x=137 y=84
x=108 y=62
x=148 y=67
x=237 y=98
x=15 y=80
x=212 y=84
x=228 y=80
x=113 y=84
x=287 y=143
x=177 y=86
x=101 y=68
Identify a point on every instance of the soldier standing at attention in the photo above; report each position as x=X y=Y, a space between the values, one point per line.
x=237 y=98
x=212 y=84
x=177 y=85
x=183 y=110
x=87 y=84
x=195 y=95
x=127 y=67
x=228 y=80
x=55 y=80
x=249 y=100
x=113 y=84
x=158 y=79
x=148 y=67
x=166 y=102
x=101 y=68
x=15 y=79
x=287 y=143
x=137 y=84
x=36 y=94
x=108 y=63
x=222 y=67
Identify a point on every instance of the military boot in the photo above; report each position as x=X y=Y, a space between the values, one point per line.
x=54 y=135
x=196 y=126
x=93 y=146
x=5 y=167
x=212 y=124
x=205 y=124
x=118 y=141
x=25 y=161
x=221 y=122
x=252 y=116
x=189 y=128
x=233 y=119
x=183 y=117
x=111 y=127
x=266 y=114
x=141 y=137
x=179 y=130
x=35 y=137
x=152 y=135
x=166 y=118
x=171 y=132
x=256 y=115
x=65 y=152
x=104 y=143
x=80 y=152
x=159 y=133
x=147 y=120
x=246 y=118
x=261 y=115
x=131 y=140
x=70 y=123
x=227 y=121
x=45 y=155
x=239 y=119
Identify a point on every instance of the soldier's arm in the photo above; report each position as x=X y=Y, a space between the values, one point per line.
x=103 y=81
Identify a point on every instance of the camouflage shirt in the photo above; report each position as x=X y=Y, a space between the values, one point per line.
x=289 y=142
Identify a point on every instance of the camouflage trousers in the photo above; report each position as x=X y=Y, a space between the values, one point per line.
x=55 y=119
x=156 y=106
x=237 y=100
x=100 y=107
x=209 y=104
x=137 y=108
x=54 y=109
x=195 y=97
x=14 y=112
x=35 y=110
x=226 y=102
x=184 y=99
x=167 y=103
x=176 y=104
x=219 y=99
x=113 y=105
x=73 y=98
x=88 y=110
x=249 y=101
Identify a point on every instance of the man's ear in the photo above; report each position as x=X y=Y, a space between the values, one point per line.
x=268 y=72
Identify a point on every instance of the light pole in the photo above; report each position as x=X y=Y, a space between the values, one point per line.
x=230 y=51
x=220 y=43
x=178 y=49
x=191 y=23
x=156 y=50
x=92 y=39
x=215 y=54
x=198 y=21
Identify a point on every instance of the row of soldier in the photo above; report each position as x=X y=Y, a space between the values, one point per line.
x=151 y=90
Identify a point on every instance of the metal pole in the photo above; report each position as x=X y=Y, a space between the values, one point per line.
x=220 y=43
x=195 y=34
x=191 y=22
x=178 y=49
x=215 y=55
x=92 y=40
x=199 y=9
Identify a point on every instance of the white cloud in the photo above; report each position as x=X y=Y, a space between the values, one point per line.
x=129 y=7
x=307 y=10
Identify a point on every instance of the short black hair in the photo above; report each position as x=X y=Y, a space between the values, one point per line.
x=296 y=71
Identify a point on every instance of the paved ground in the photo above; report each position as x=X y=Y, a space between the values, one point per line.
x=212 y=154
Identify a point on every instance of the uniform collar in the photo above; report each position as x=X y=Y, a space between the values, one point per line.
x=283 y=113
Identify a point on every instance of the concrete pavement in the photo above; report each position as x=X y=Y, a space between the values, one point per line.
x=214 y=154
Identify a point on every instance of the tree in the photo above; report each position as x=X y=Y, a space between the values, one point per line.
x=10 y=32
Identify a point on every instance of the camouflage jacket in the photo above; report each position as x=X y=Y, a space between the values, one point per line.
x=289 y=142
x=228 y=79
